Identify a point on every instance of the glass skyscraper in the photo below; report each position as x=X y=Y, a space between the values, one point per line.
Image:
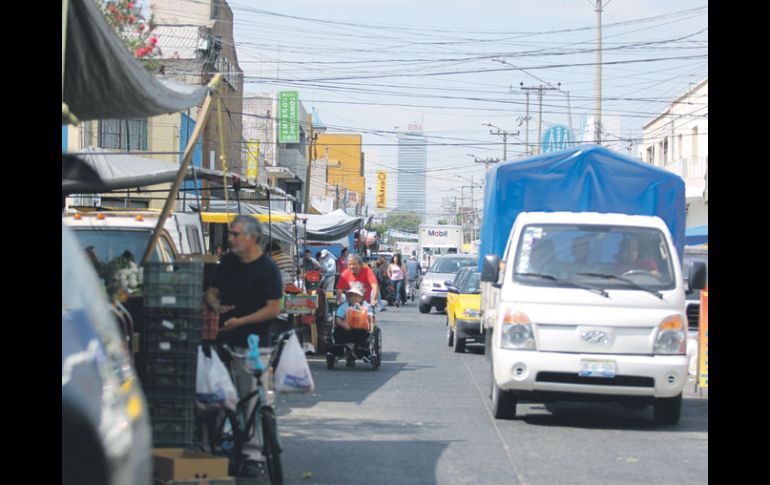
x=412 y=165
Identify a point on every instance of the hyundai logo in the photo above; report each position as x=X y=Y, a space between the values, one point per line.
x=595 y=337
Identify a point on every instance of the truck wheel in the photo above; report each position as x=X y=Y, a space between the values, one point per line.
x=424 y=308
x=667 y=411
x=503 y=403
x=459 y=344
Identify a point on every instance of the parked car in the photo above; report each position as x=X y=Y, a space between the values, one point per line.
x=464 y=309
x=691 y=255
x=432 y=289
x=106 y=437
x=692 y=305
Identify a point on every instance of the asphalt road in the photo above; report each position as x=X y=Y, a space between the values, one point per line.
x=424 y=418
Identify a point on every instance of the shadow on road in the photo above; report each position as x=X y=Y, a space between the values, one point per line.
x=613 y=416
x=345 y=384
x=365 y=451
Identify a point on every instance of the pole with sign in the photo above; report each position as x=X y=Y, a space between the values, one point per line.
x=251 y=172
x=382 y=186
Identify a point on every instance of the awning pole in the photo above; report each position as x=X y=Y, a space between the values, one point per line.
x=188 y=154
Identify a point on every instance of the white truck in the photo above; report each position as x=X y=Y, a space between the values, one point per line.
x=436 y=240
x=579 y=300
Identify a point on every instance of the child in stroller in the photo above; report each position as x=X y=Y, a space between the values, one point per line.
x=355 y=335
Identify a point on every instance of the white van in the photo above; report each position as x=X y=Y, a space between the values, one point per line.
x=111 y=233
x=587 y=306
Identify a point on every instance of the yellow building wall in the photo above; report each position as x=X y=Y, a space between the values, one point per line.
x=345 y=149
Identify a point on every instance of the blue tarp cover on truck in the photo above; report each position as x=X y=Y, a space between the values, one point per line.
x=587 y=178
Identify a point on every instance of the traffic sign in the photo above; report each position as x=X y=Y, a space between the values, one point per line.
x=557 y=137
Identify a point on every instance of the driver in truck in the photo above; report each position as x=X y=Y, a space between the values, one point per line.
x=629 y=259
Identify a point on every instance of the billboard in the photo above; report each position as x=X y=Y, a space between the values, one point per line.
x=382 y=186
x=288 y=127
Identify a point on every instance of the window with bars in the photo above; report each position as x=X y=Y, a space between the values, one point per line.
x=125 y=134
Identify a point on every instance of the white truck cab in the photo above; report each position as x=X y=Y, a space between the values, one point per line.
x=587 y=306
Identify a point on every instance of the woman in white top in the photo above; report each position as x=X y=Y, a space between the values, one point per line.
x=397 y=273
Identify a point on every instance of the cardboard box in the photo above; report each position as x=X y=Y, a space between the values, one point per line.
x=178 y=464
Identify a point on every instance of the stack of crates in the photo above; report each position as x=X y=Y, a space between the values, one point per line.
x=167 y=362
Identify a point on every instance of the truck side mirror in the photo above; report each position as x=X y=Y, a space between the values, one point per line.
x=697 y=278
x=490 y=269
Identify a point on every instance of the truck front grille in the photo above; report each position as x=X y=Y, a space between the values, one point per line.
x=693 y=315
x=619 y=381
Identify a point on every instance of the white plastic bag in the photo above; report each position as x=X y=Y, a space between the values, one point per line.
x=292 y=373
x=213 y=386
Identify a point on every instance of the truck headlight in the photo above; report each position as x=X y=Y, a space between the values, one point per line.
x=672 y=338
x=517 y=332
x=471 y=313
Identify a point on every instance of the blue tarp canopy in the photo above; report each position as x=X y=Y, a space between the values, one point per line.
x=697 y=235
x=586 y=178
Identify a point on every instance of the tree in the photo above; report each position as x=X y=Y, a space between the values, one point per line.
x=403 y=221
x=136 y=32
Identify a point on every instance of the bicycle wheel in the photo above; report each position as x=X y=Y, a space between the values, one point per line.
x=270 y=447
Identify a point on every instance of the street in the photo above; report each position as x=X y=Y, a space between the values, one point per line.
x=424 y=418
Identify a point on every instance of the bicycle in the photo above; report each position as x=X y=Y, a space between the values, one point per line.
x=244 y=425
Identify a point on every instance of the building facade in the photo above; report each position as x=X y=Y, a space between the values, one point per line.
x=345 y=168
x=196 y=42
x=677 y=141
x=412 y=163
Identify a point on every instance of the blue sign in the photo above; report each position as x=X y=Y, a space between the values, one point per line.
x=557 y=137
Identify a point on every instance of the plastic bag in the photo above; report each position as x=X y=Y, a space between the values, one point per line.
x=213 y=386
x=357 y=318
x=292 y=374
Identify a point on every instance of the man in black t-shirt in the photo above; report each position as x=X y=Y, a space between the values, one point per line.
x=246 y=289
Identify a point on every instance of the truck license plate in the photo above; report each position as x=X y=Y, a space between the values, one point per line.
x=597 y=368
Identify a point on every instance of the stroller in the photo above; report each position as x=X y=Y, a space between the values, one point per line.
x=366 y=346
x=389 y=293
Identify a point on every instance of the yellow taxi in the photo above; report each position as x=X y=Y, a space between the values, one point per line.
x=463 y=309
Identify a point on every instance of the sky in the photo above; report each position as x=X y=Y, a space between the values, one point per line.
x=373 y=67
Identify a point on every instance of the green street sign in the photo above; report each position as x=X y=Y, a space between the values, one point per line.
x=288 y=127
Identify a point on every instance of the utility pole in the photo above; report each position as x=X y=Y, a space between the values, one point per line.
x=504 y=134
x=598 y=115
x=311 y=138
x=487 y=161
x=540 y=88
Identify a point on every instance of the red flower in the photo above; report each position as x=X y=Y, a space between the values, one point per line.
x=153 y=40
x=131 y=19
x=130 y=6
x=111 y=8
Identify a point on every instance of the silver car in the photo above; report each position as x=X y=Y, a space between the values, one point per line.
x=432 y=291
x=106 y=434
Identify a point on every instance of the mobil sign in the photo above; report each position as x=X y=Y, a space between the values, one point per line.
x=446 y=236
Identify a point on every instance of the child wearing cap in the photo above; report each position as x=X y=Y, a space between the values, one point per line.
x=353 y=320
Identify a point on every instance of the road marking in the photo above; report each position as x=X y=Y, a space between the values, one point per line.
x=492 y=419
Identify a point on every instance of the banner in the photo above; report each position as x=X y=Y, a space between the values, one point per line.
x=252 y=169
x=703 y=340
x=382 y=186
x=288 y=105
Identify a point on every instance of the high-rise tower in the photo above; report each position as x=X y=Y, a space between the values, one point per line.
x=412 y=165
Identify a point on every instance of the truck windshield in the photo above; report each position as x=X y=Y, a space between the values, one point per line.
x=606 y=257
x=108 y=244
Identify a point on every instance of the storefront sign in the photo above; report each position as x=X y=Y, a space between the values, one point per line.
x=703 y=340
x=382 y=186
x=288 y=103
x=300 y=304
